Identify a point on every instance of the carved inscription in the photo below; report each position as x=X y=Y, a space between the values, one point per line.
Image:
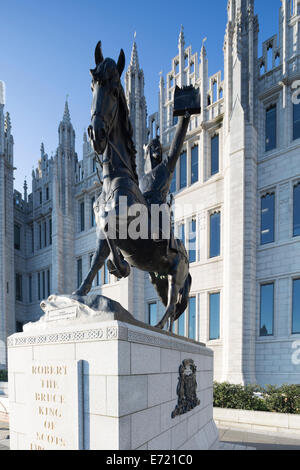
x=53 y=405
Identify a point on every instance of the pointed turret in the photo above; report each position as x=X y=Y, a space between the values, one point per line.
x=66 y=131
x=7 y=124
x=134 y=91
x=66 y=116
x=134 y=60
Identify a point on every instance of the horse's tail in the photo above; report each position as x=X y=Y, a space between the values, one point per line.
x=183 y=297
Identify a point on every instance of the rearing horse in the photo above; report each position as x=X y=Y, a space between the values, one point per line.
x=111 y=135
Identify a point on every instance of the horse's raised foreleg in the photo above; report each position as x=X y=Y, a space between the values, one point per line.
x=172 y=301
x=98 y=260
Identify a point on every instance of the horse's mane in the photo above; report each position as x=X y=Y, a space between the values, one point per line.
x=106 y=66
x=127 y=127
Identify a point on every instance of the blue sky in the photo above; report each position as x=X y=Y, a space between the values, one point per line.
x=47 y=49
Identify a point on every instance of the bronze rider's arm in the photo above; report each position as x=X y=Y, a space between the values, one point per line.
x=176 y=147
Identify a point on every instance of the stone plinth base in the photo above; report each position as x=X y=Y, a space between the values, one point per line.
x=108 y=385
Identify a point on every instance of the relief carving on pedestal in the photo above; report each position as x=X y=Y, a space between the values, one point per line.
x=186 y=388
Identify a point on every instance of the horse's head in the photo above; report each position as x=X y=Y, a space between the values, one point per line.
x=106 y=88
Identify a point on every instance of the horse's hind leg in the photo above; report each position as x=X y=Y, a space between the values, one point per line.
x=172 y=301
x=100 y=255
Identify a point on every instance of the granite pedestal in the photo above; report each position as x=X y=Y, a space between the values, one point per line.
x=106 y=385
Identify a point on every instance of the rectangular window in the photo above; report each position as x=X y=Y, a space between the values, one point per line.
x=79 y=272
x=296 y=121
x=173 y=183
x=296 y=211
x=40 y=236
x=47 y=193
x=82 y=216
x=17 y=233
x=192 y=241
x=215 y=235
x=44 y=284
x=105 y=274
x=271 y=123
x=92 y=212
x=214 y=316
x=32 y=238
x=183 y=171
x=50 y=231
x=266 y=309
x=152 y=314
x=19 y=294
x=39 y=286
x=30 y=287
x=41 y=197
x=48 y=282
x=267 y=218
x=194 y=165
x=45 y=234
x=181 y=325
x=296 y=307
x=214 y=160
x=192 y=318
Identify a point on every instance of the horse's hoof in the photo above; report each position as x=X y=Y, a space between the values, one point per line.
x=160 y=326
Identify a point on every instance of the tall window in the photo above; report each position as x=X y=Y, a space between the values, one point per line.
x=94 y=165
x=215 y=235
x=40 y=236
x=296 y=306
x=82 y=216
x=47 y=193
x=214 y=316
x=32 y=238
x=17 y=231
x=183 y=171
x=152 y=314
x=41 y=197
x=266 y=309
x=45 y=234
x=173 y=183
x=271 y=123
x=214 y=160
x=194 y=165
x=192 y=318
x=267 y=218
x=296 y=211
x=30 y=287
x=19 y=293
x=296 y=121
x=181 y=325
x=44 y=284
x=39 y=286
x=105 y=274
x=192 y=241
x=79 y=272
x=92 y=212
x=48 y=282
x=50 y=231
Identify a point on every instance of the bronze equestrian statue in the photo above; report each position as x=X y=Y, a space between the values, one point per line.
x=110 y=132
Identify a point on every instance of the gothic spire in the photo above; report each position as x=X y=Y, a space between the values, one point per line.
x=134 y=60
x=181 y=41
x=66 y=116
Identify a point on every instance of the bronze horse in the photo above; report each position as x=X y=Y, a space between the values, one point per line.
x=111 y=133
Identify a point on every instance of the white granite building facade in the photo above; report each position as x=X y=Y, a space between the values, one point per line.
x=238 y=179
